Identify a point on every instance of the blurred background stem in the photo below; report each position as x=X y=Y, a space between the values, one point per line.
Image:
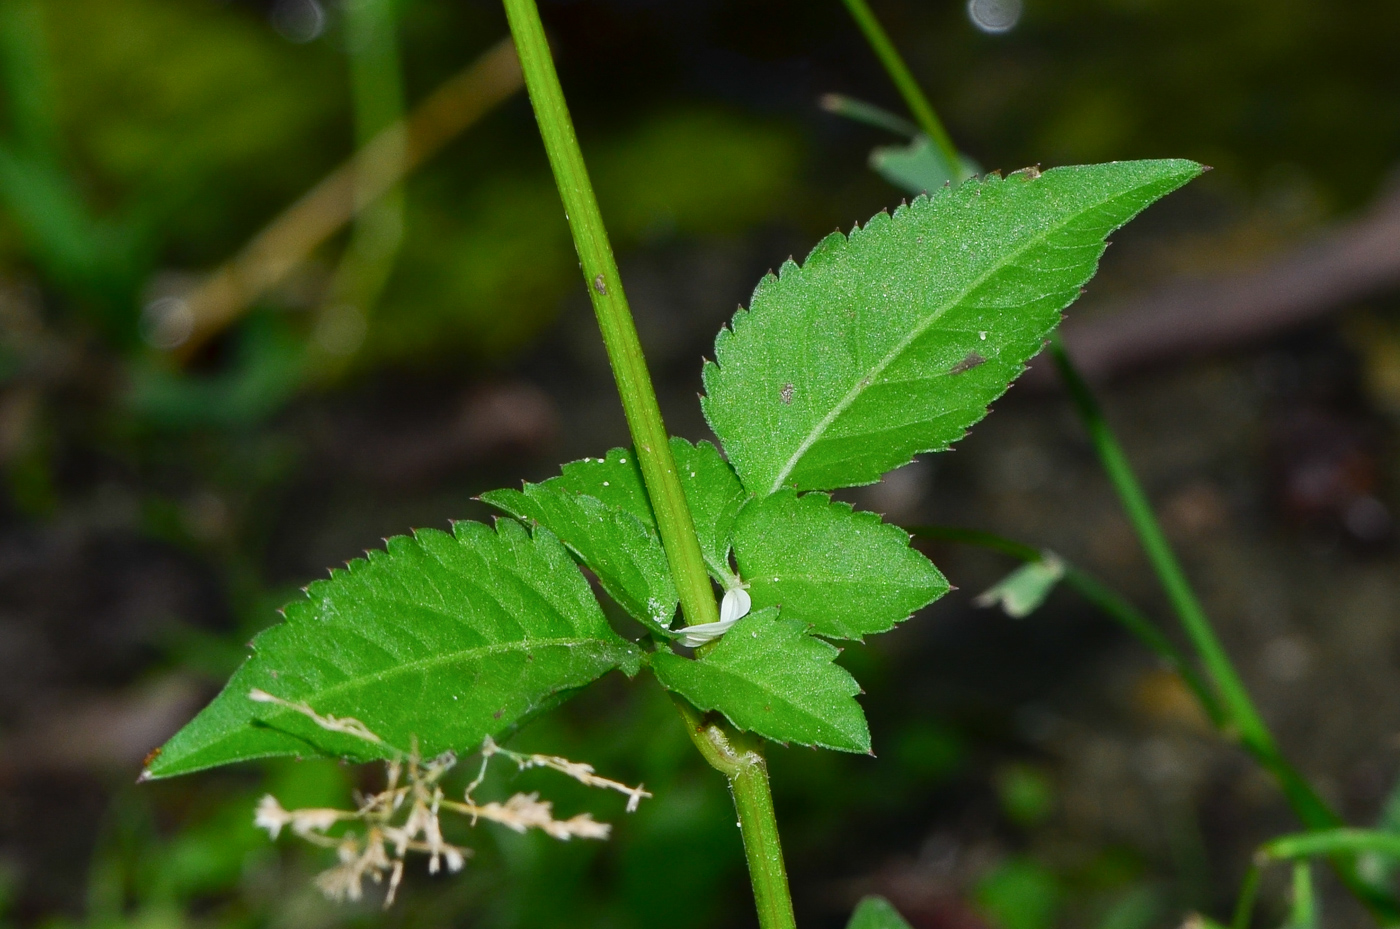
x=1241 y=715
x=376 y=169
x=376 y=82
x=1096 y=592
x=904 y=81
x=1243 y=719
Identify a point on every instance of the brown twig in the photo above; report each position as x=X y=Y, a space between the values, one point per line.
x=1194 y=317
x=287 y=241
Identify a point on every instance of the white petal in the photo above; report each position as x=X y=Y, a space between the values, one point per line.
x=695 y=636
x=735 y=605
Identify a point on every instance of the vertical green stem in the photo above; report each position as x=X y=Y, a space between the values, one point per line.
x=1243 y=714
x=909 y=88
x=1253 y=733
x=738 y=757
x=673 y=519
x=1244 y=906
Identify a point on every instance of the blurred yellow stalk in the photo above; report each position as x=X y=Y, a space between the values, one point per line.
x=382 y=163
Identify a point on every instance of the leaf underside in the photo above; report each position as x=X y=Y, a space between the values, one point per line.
x=892 y=341
x=441 y=638
x=769 y=677
x=842 y=571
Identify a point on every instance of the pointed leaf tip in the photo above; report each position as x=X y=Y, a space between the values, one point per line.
x=869 y=326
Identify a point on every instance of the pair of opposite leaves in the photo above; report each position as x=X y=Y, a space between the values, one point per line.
x=882 y=345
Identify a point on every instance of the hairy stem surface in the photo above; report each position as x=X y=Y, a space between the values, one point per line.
x=673 y=519
x=739 y=758
x=1242 y=715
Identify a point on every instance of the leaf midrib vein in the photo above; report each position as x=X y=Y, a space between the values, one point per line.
x=862 y=383
x=465 y=654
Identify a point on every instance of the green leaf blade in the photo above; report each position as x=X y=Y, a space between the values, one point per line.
x=616 y=479
x=440 y=639
x=893 y=341
x=714 y=494
x=875 y=912
x=769 y=677
x=842 y=571
x=625 y=554
x=711 y=487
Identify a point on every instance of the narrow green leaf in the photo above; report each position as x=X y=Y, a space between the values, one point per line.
x=625 y=554
x=443 y=638
x=893 y=341
x=876 y=913
x=711 y=488
x=918 y=166
x=843 y=571
x=768 y=676
x=1022 y=591
x=715 y=495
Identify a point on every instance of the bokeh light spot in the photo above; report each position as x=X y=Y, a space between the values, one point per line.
x=994 y=16
x=298 y=21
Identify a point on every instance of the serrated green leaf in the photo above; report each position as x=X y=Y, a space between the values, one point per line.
x=876 y=913
x=711 y=488
x=443 y=638
x=714 y=494
x=616 y=479
x=893 y=341
x=625 y=555
x=768 y=676
x=839 y=569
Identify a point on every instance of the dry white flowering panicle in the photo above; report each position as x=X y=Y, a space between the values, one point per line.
x=404 y=816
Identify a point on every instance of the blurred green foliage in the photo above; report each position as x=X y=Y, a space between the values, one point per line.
x=1020 y=894
x=484 y=266
x=1026 y=794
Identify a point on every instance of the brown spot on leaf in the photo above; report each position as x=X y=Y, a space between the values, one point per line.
x=786 y=394
x=967 y=364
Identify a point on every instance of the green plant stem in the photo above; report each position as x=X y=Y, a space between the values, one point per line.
x=909 y=88
x=1249 y=890
x=740 y=759
x=1307 y=845
x=1242 y=715
x=673 y=520
x=1100 y=595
